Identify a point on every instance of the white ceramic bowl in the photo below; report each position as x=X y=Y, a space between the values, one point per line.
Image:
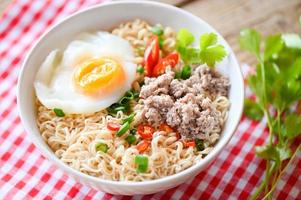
x=105 y=17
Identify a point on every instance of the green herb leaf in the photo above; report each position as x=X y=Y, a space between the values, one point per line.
x=123 y=129
x=142 y=163
x=268 y=152
x=101 y=147
x=130 y=139
x=199 y=144
x=293 y=126
x=192 y=56
x=59 y=112
x=293 y=72
x=213 y=54
x=178 y=74
x=133 y=131
x=284 y=152
x=140 y=69
x=252 y=110
x=186 y=72
x=157 y=30
x=161 y=43
x=124 y=103
x=129 y=118
x=210 y=52
x=277 y=85
x=207 y=40
x=292 y=40
x=273 y=44
x=250 y=41
x=184 y=38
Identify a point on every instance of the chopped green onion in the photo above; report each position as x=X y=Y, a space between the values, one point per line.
x=157 y=30
x=114 y=108
x=140 y=69
x=129 y=119
x=123 y=129
x=124 y=103
x=186 y=72
x=199 y=144
x=142 y=163
x=178 y=75
x=129 y=95
x=59 y=112
x=101 y=147
x=136 y=94
x=130 y=139
x=161 y=42
x=133 y=131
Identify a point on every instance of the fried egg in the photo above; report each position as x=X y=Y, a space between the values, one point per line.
x=93 y=72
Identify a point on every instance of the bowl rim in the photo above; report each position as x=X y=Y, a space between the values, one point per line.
x=76 y=174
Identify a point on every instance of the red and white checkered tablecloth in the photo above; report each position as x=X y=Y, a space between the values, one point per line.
x=26 y=174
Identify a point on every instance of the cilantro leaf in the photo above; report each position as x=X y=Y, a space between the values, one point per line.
x=193 y=56
x=294 y=70
x=268 y=152
x=207 y=39
x=284 y=152
x=293 y=126
x=273 y=44
x=250 y=41
x=211 y=52
x=276 y=153
x=252 y=110
x=256 y=85
x=184 y=38
x=292 y=40
x=277 y=85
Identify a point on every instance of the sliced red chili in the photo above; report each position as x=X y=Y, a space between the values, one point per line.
x=145 y=131
x=151 y=55
x=143 y=145
x=112 y=126
x=170 y=60
x=188 y=143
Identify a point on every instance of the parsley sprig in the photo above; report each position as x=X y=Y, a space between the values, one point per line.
x=209 y=51
x=277 y=85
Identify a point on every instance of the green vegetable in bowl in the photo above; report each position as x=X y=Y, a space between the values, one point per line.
x=129 y=118
x=277 y=85
x=199 y=144
x=124 y=103
x=131 y=139
x=123 y=129
x=59 y=112
x=209 y=51
x=101 y=147
x=142 y=163
x=140 y=69
x=157 y=30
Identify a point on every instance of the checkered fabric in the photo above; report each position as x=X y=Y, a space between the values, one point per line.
x=26 y=174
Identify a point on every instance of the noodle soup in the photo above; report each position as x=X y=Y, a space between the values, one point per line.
x=139 y=103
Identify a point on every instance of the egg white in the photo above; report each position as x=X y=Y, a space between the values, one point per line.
x=54 y=85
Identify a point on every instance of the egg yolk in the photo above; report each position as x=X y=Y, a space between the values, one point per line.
x=99 y=76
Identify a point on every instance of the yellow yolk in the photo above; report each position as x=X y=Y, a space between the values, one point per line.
x=99 y=76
